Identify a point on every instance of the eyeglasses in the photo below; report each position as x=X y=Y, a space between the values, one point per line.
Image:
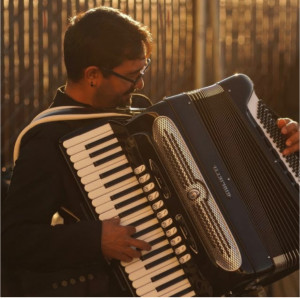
x=135 y=81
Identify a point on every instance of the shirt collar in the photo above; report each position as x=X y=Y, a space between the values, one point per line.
x=62 y=99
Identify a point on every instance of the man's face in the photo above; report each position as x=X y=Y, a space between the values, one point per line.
x=115 y=91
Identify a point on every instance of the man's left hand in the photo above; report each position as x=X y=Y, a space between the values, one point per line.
x=290 y=129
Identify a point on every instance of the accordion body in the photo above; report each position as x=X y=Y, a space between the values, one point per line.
x=217 y=184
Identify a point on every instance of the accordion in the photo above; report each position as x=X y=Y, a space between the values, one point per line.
x=202 y=178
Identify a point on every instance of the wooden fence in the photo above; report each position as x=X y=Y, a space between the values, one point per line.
x=255 y=37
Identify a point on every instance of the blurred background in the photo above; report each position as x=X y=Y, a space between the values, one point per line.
x=196 y=43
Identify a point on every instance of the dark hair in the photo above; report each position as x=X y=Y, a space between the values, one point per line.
x=103 y=37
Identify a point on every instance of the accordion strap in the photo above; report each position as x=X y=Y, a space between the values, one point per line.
x=62 y=113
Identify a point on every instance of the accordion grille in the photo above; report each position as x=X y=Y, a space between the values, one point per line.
x=195 y=195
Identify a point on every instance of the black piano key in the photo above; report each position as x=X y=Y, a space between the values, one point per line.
x=183 y=292
x=125 y=192
x=118 y=180
x=115 y=170
x=132 y=210
x=104 y=150
x=171 y=282
x=154 y=252
x=100 y=141
x=143 y=220
x=108 y=158
x=166 y=273
x=128 y=201
x=159 y=261
x=146 y=230
x=157 y=240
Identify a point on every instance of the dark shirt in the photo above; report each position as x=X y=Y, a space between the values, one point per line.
x=40 y=259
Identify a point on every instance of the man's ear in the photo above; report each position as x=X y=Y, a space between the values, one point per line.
x=93 y=75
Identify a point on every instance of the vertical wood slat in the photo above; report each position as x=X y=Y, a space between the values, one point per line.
x=30 y=69
x=9 y=129
x=40 y=51
x=4 y=114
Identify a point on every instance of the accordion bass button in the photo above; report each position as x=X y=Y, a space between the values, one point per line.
x=185 y=258
x=167 y=223
x=176 y=240
x=157 y=205
x=180 y=249
x=147 y=188
x=162 y=214
x=139 y=170
x=153 y=196
x=144 y=178
x=171 y=231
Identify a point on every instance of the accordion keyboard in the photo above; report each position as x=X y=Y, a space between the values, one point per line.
x=114 y=189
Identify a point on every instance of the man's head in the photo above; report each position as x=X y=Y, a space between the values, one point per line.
x=104 y=41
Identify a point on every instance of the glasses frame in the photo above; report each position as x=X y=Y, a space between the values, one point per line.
x=134 y=82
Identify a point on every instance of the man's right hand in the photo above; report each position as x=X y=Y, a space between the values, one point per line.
x=117 y=243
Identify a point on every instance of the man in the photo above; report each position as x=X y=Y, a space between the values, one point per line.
x=106 y=54
x=70 y=259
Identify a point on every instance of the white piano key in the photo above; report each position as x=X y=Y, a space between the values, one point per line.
x=148 y=240
x=136 y=213
x=115 y=212
x=181 y=286
x=148 y=274
x=100 y=209
x=146 y=224
x=97 y=172
x=78 y=143
x=170 y=290
x=155 y=236
x=101 y=182
x=140 y=264
x=101 y=168
x=188 y=294
x=86 y=152
x=145 y=278
x=102 y=191
x=89 y=161
x=137 y=218
x=90 y=178
x=106 y=197
x=153 y=285
x=105 y=200
x=151 y=233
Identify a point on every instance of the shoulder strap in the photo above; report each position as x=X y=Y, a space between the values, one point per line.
x=61 y=113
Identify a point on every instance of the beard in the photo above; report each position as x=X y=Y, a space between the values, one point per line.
x=125 y=99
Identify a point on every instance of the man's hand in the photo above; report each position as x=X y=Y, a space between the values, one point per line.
x=117 y=242
x=290 y=129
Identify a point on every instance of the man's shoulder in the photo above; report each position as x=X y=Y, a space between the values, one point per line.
x=57 y=129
